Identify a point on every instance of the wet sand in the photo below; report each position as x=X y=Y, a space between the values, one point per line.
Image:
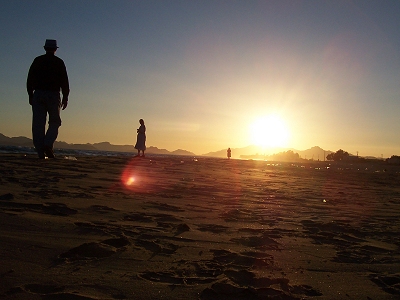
x=185 y=228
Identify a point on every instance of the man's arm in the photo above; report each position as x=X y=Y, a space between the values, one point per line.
x=29 y=82
x=64 y=88
x=64 y=102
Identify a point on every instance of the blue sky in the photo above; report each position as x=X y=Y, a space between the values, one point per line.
x=200 y=73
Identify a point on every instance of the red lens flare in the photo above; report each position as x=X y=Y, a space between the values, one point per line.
x=130 y=181
x=136 y=176
x=132 y=176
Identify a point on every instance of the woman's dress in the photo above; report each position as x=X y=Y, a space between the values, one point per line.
x=141 y=138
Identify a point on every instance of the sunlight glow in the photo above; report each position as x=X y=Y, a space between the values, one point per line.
x=269 y=131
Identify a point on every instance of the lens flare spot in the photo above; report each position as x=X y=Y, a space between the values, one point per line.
x=130 y=180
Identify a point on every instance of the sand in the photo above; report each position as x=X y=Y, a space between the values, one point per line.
x=197 y=228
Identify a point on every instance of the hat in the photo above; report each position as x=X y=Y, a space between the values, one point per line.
x=52 y=44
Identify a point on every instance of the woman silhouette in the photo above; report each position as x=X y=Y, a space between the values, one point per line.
x=141 y=138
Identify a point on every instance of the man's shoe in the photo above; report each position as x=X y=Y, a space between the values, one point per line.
x=49 y=152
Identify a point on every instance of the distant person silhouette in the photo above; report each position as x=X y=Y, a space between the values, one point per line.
x=141 y=138
x=228 y=153
x=46 y=77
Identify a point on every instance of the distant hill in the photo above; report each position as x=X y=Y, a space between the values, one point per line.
x=182 y=152
x=237 y=152
x=15 y=141
x=103 y=146
x=314 y=153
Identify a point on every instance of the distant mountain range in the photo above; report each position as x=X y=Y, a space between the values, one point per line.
x=254 y=152
x=315 y=153
x=22 y=141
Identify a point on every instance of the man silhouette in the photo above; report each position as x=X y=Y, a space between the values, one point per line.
x=46 y=76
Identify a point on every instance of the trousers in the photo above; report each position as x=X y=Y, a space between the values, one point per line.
x=45 y=103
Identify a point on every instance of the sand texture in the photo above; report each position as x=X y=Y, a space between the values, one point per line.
x=185 y=228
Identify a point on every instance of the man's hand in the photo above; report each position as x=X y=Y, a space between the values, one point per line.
x=64 y=102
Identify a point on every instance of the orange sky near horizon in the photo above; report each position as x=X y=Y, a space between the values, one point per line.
x=202 y=73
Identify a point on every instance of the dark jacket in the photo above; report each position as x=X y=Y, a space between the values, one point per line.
x=47 y=72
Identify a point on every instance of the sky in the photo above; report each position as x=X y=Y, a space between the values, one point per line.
x=202 y=73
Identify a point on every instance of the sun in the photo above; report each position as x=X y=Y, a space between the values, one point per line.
x=269 y=132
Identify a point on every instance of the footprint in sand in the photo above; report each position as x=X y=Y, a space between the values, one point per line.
x=94 y=250
x=213 y=228
x=55 y=209
x=174 y=278
x=263 y=242
x=390 y=283
x=242 y=260
x=139 y=217
x=7 y=197
x=164 y=207
x=227 y=290
x=75 y=292
x=102 y=209
x=156 y=246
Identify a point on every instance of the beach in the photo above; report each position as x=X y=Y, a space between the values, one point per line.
x=98 y=227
